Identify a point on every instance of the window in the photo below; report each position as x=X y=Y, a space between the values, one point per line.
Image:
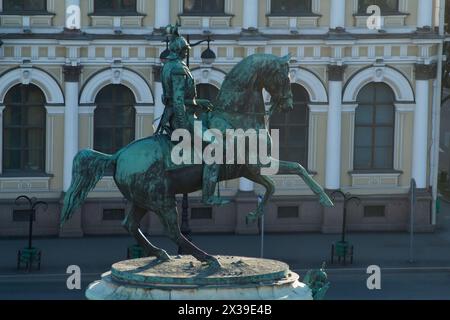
x=114 y=119
x=207 y=91
x=290 y=7
x=24 y=130
x=115 y=6
x=24 y=215
x=374 y=128
x=293 y=128
x=25 y=5
x=374 y=211
x=113 y=214
x=201 y=213
x=287 y=212
x=203 y=7
x=386 y=6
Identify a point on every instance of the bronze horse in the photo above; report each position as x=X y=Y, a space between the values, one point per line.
x=140 y=169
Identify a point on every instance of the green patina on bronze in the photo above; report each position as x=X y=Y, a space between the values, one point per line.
x=142 y=170
x=186 y=271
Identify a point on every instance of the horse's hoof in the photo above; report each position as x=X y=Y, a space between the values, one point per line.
x=251 y=217
x=214 y=264
x=163 y=256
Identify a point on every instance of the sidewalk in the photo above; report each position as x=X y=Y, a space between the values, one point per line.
x=390 y=251
x=300 y=251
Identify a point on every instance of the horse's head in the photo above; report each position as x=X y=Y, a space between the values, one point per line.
x=278 y=85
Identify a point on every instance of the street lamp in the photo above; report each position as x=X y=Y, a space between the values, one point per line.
x=29 y=255
x=165 y=54
x=343 y=248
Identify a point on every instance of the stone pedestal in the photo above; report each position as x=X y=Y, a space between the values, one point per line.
x=184 y=278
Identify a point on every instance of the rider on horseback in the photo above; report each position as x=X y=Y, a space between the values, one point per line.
x=179 y=98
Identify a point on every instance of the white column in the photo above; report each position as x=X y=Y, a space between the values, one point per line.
x=337 y=16
x=70 y=121
x=250 y=14
x=162 y=13
x=425 y=14
x=420 y=135
x=73 y=15
x=246 y=185
x=333 y=148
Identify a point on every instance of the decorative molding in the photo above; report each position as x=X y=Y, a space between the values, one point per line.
x=312 y=84
x=313 y=135
x=293 y=22
x=351 y=138
x=346 y=107
x=335 y=72
x=318 y=108
x=117 y=75
x=426 y=71
x=400 y=119
x=395 y=79
x=50 y=126
x=375 y=180
x=26 y=75
x=144 y=111
x=25 y=184
x=55 y=110
x=405 y=107
x=209 y=76
x=72 y=73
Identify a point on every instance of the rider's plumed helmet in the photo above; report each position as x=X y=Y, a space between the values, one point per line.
x=177 y=42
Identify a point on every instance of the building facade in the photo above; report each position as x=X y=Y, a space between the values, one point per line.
x=80 y=74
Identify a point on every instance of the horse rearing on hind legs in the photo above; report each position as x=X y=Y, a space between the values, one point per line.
x=140 y=169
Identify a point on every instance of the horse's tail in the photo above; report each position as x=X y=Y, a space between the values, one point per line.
x=88 y=168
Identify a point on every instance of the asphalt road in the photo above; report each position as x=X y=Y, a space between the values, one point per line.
x=428 y=277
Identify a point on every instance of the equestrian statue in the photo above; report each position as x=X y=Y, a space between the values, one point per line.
x=144 y=172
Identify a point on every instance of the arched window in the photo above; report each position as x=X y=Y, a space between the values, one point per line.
x=374 y=128
x=114 y=118
x=293 y=128
x=203 y=7
x=24 y=120
x=115 y=6
x=386 y=6
x=30 y=6
x=207 y=91
x=290 y=7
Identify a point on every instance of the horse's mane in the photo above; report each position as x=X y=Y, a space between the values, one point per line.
x=242 y=87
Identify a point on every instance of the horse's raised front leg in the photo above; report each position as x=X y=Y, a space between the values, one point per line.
x=286 y=167
x=131 y=224
x=269 y=185
x=169 y=219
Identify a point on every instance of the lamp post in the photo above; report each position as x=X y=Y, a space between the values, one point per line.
x=208 y=57
x=343 y=248
x=30 y=254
